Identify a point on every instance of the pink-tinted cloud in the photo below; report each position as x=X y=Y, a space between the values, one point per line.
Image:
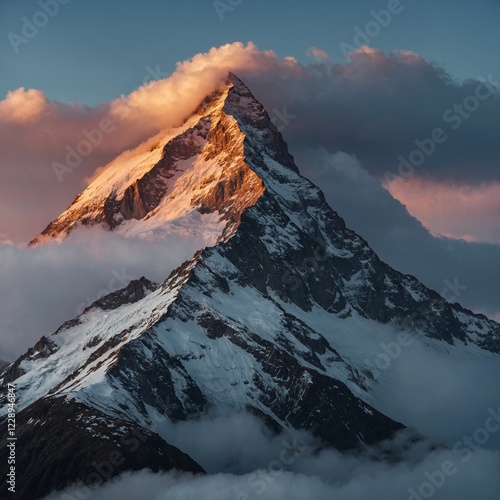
x=455 y=211
x=368 y=62
x=23 y=106
x=318 y=54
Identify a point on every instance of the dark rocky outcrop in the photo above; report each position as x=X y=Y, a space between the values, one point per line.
x=62 y=443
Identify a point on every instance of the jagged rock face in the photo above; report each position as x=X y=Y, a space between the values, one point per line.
x=205 y=159
x=256 y=322
x=61 y=442
x=332 y=267
x=136 y=290
x=145 y=194
x=45 y=347
x=41 y=350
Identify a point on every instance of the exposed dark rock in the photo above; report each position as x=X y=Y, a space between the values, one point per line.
x=133 y=292
x=61 y=443
x=3 y=365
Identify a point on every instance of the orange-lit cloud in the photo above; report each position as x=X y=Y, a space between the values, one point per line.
x=23 y=106
x=167 y=102
x=36 y=132
x=455 y=211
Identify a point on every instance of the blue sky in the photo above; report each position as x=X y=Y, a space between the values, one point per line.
x=96 y=50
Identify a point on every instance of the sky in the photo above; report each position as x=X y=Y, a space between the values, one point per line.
x=391 y=107
x=93 y=51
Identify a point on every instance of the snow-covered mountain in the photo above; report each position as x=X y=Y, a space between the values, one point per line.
x=194 y=179
x=275 y=314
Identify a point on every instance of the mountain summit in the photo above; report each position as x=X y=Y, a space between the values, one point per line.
x=196 y=177
x=273 y=315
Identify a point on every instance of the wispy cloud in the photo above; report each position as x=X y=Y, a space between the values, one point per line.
x=46 y=285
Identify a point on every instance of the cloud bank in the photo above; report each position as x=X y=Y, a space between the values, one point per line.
x=478 y=480
x=294 y=468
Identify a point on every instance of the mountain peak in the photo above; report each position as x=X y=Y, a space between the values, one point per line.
x=205 y=166
x=236 y=80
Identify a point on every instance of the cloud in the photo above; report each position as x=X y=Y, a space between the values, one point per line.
x=23 y=106
x=360 y=107
x=318 y=54
x=446 y=412
x=456 y=211
x=308 y=473
x=477 y=481
x=248 y=445
x=42 y=287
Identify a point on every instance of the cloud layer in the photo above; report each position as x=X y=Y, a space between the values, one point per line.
x=479 y=480
x=306 y=472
